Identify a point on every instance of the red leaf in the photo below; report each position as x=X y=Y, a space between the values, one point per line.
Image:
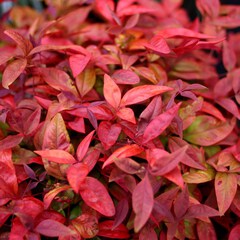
x=229 y=57
x=24 y=44
x=182 y=32
x=78 y=63
x=86 y=225
x=193 y=155
x=160 y=123
x=76 y=174
x=235 y=233
x=210 y=109
x=148 y=233
x=83 y=146
x=161 y=162
x=161 y=211
x=91 y=158
x=142 y=93
x=123 y=76
x=13 y=71
x=86 y=80
x=121 y=213
x=10 y=141
x=48 y=198
x=123 y=152
x=200 y=210
x=230 y=106
x=32 y=121
x=108 y=133
x=8 y=174
x=175 y=176
x=57 y=79
x=128 y=165
x=106 y=230
x=143 y=201
x=55 y=134
x=207 y=131
x=95 y=195
x=111 y=92
x=126 y=114
x=181 y=203
x=67 y=48
x=206 y=231
x=225 y=187
x=159 y=45
x=58 y=156
x=211 y=8
x=105 y=8
x=52 y=228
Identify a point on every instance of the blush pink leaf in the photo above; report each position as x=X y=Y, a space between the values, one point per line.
x=96 y=196
x=111 y=92
x=83 y=146
x=13 y=71
x=225 y=188
x=58 y=156
x=124 y=152
x=52 y=228
x=142 y=93
x=76 y=174
x=160 y=123
x=143 y=202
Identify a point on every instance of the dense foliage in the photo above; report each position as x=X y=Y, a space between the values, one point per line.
x=118 y=119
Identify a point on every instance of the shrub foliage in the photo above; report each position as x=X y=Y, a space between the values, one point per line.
x=118 y=119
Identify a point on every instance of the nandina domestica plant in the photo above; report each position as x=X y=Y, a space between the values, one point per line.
x=119 y=120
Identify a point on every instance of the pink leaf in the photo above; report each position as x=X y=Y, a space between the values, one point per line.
x=230 y=106
x=123 y=152
x=181 y=203
x=210 y=109
x=209 y=7
x=48 y=198
x=125 y=77
x=182 y=32
x=160 y=123
x=121 y=212
x=24 y=44
x=13 y=71
x=52 y=228
x=111 y=92
x=108 y=133
x=159 y=45
x=78 y=63
x=143 y=202
x=86 y=225
x=128 y=165
x=142 y=93
x=126 y=114
x=76 y=174
x=132 y=21
x=10 y=141
x=161 y=162
x=57 y=79
x=83 y=146
x=105 y=8
x=229 y=56
x=200 y=210
x=225 y=188
x=206 y=231
x=207 y=131
x=106 y=230
x=96 y=196
x=58 y=156
x=235 y=233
